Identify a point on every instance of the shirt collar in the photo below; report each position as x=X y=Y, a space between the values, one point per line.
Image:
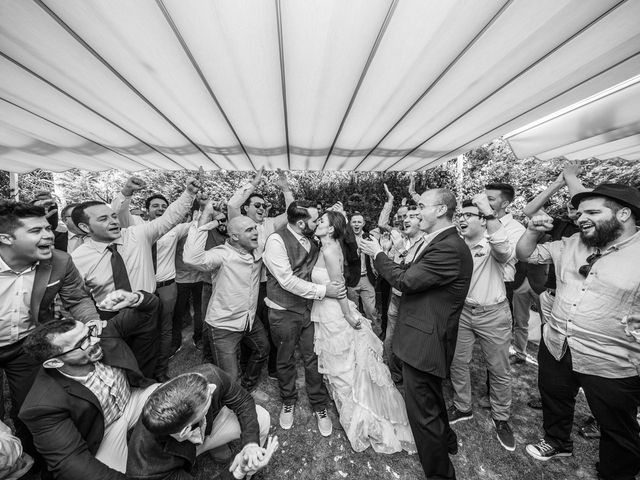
x=240 y=252
x=296 y=234
x=632 y=239
x=6 y=268
x=102 y=246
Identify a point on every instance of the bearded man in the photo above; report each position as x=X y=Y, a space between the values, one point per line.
x=584 y=341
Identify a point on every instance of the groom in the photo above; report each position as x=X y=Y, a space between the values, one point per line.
x=290 y=254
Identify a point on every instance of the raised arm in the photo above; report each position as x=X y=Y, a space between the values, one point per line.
x=282 y=182
x=537 y=226
x=194 y=253
x=501 y=248
x=535 y=205
x=333 y=260
x=415 y=196
x=385 y=213
x=570 y=173
x=121 y=202
x=242 y=195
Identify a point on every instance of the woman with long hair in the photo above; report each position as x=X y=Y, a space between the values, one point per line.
x=372 y=411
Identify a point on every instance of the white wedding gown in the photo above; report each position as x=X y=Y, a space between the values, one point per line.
x=372 y=411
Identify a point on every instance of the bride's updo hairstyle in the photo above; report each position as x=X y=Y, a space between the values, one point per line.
x=344 y=234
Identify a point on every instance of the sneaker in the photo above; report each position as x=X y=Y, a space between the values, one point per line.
x=286 y=416
x=259 y=396
x=517 y=360
x=324 y=422
x=456 y=415
x=543 y=451
x=505 y=435
x=590 y=429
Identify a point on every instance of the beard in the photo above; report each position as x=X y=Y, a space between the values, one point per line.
x=603 y=233
x=308 y=232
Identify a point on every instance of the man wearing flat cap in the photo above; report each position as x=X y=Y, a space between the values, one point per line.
x=588 y=341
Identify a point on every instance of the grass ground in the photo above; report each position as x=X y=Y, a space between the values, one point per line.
x=305 y=455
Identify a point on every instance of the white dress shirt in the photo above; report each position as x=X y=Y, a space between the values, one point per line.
x=134 y=245
x=15 y=303
x=277 y=261
x=514 y=231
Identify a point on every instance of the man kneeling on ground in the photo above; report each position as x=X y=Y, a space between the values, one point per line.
x=191 y=414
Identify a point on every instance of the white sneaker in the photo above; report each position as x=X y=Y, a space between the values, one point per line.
x=324 y=422
x=286 y=416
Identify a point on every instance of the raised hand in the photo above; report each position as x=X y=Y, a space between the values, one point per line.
x=257 y=177
x=370 y=247
x=133 y=185
x=389 y=194
x=482 y=202
x=282 y=181
x=193 y=185
x=540 y=223
x=572 y=168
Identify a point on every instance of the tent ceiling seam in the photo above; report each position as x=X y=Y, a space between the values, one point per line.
x=204 y=80
x=365 y=70
x=117 y=74
x=511 y=80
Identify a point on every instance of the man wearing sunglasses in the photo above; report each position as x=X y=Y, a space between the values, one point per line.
x=584 y=340
x=89 y=391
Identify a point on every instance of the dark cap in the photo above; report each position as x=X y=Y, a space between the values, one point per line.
x=623 y=194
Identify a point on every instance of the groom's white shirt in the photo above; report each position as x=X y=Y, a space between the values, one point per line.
x=277 y=261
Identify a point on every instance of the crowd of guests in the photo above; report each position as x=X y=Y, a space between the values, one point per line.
x=93 y=297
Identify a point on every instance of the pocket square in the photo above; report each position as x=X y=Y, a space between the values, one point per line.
x=54 y=283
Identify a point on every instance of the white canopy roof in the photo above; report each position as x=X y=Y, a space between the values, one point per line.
x=295 y=84
x=604 y=126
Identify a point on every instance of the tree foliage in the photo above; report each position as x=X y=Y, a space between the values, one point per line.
x=359 y=191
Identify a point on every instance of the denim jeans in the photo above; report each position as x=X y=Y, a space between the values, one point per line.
x=225 y=346
x=186 y=292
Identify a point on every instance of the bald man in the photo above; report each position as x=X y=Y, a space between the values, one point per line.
x=236 y=282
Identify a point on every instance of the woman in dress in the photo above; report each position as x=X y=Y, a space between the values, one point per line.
x=372 y=411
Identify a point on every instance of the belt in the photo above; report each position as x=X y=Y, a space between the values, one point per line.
x=484 y=308
x=166 y=283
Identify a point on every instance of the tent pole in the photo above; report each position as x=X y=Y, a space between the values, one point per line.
x=14 y=185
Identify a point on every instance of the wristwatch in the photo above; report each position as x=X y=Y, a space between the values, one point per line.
x=490 y=217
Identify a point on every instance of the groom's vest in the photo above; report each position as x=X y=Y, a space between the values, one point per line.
x=301 y=264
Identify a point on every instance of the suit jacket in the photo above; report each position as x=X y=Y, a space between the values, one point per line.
x=162 y=457
x=434 y=287
x=65 y=417
x=59 y=276
x=61 y=240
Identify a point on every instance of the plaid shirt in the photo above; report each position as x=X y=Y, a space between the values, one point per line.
x=111 y=388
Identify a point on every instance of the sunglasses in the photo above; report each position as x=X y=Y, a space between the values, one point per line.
x=260 y=205
x=84 y=343
x=412 y=207
x=591 y=259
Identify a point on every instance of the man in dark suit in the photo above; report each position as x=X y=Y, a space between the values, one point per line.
x=32 y=273
x=88 y=393
x=434 y=285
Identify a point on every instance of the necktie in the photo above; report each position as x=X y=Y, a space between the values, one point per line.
x=154 y=256
x=120 y=276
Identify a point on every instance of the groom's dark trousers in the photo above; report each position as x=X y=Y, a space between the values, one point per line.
x=434 y=286
x=289 y=329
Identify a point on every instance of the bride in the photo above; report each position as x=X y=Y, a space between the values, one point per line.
x=372 y=411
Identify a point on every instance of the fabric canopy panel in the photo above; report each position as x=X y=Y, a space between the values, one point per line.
x=314 y=84
x=604 y=126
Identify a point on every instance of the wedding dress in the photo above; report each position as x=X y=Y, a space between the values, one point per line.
x=372 y=411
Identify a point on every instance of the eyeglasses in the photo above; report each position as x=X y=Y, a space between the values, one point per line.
x=260 y=204
x=84 y=343
x=591 y=259
x=412 y=207
x=467 y=215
